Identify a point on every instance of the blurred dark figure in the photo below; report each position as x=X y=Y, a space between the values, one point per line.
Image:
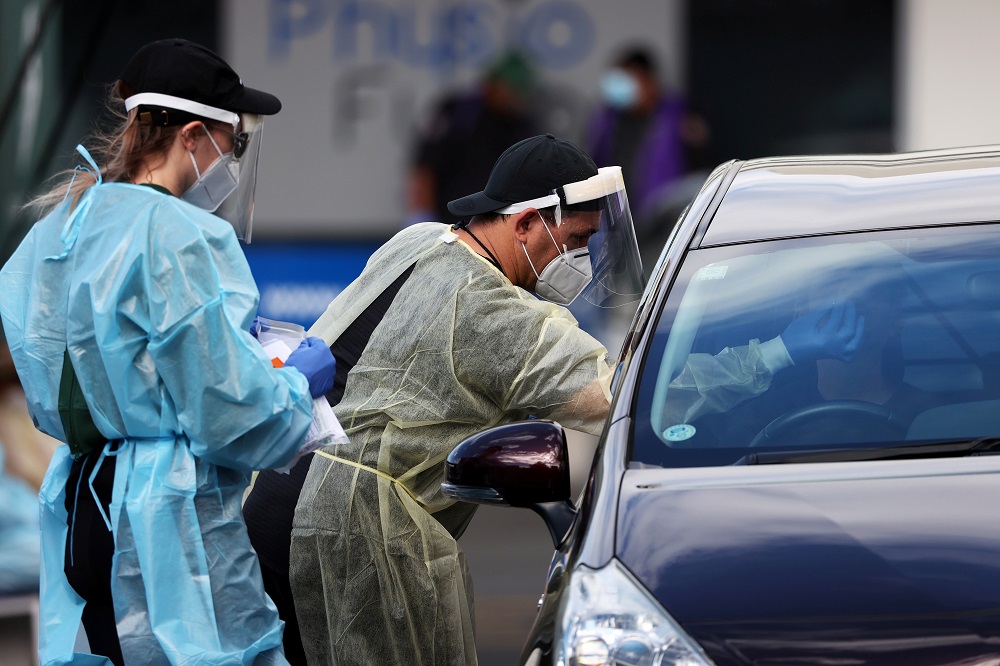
x=467 y=132
x=661 y=144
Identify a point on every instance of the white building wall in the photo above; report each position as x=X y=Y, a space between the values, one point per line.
x=356 y=77
x=949 y=92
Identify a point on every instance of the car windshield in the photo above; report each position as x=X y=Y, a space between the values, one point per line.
x=858 y=340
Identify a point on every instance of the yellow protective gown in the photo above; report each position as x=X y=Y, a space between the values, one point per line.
x=376 y=572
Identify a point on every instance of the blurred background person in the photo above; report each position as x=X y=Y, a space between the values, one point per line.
x=467 y=132
x=653 y=135
x=27 y=450
x=24 y=455
x=19 y=534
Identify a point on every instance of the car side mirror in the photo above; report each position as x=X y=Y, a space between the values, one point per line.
x=523 y=464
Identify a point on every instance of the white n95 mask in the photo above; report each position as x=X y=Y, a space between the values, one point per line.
x=220 y=179
x=566 y=276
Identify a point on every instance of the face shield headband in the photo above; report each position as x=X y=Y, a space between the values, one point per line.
x=614 y=254
x=161 y=101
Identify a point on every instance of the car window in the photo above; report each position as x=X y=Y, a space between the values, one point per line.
x=808 y=344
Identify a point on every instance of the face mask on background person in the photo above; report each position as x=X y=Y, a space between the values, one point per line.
x=619 y=89
x=218 y=181
x=566 y=276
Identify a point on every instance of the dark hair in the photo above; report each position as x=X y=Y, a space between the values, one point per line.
x=484 y=218
x=637 y=57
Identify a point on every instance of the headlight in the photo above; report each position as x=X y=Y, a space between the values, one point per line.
x=609 y=619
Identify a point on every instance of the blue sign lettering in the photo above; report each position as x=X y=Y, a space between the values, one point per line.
x=556 y=34
x=292 y=19
x=348 y=22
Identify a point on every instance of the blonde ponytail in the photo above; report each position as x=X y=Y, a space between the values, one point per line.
x=119 y=153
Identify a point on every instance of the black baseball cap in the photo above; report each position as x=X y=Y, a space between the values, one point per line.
x=529 y=169
x=184 y=69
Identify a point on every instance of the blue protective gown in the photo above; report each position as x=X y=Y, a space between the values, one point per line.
x=153 y=298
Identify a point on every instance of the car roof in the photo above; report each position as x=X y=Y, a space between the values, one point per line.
x=783 y=197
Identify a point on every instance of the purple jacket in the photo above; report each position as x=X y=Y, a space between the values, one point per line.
x=658 y=162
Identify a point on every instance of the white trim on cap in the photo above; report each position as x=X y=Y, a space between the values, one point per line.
x=541 y=202
x=181 y=104
x=607 y=181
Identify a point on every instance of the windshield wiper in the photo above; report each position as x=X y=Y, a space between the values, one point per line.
x=954 y=449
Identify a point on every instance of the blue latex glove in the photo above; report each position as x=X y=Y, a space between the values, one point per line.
x=314 y=360
x=832 y=332
x=257 y=326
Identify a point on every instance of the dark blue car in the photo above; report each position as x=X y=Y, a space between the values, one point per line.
x=800 y=465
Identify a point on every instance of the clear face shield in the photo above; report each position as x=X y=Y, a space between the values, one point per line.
x=237 y=208
x=598 y=255
x=614 y=254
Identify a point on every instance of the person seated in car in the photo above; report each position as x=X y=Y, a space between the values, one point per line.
x=840 y=348
x=716 y=383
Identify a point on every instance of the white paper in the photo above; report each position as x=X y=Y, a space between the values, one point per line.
x=325 y=429
x=277 y=349
x=278 y=340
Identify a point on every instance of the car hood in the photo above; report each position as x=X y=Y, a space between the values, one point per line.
x=812 y=563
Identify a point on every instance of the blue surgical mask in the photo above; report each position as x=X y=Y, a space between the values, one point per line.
x=619 y=89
